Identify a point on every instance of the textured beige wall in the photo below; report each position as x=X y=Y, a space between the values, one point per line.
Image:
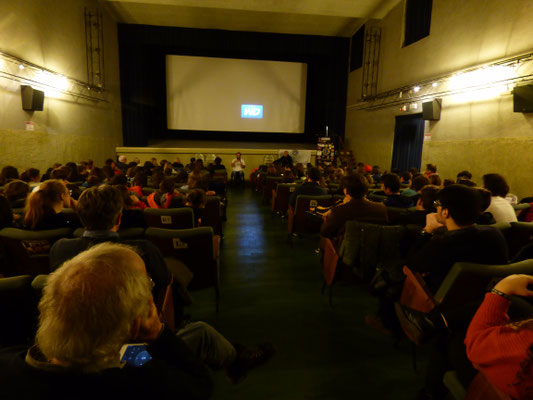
x=481 y=136
x=51 y=34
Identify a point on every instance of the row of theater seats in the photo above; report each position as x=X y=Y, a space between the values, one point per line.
x=377 y=253
x=25 y=252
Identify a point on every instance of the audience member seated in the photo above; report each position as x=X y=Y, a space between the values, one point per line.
x=218 y=165
x=500 y=208
x=122 y=163
x=355 y=206
x=376 y=173
x=32 y=176
x=196 y=199
x=430 y=170
x=405 y=179
x=310 y=187
x=177 y=164
x=424 y=206
x=450 y=236
x=417 y=183
x=92 y=306
x=285 y=160
x=8 y=174
x=447 y=182
x=189 y=167
x=466 y=182
x=100 y=212
x=434 y=179
x=462 y=240
x=140 y=180
x=166 y=197
x=44 y=206
x=16 y=192
x=501 y=349
x=390 y=184
x=464 y=175
x=485 y=218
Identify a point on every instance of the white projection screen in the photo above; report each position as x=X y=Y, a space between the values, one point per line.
x=235 y=95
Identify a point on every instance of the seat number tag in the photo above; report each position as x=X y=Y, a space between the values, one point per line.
x=179 y=244
x=166 y=219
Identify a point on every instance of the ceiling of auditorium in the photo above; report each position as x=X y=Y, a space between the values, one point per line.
x=308 y=17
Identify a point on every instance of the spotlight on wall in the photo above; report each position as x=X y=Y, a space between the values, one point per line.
x=434 y=84
x=21 y=67
x=416 y=89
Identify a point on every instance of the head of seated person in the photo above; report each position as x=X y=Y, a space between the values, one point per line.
x=434 y=179
x=419 y=182
x=74 y=175
x=405 y=178
x=484 y=217
x=61 y=173
x=16 y=192
x=168 y=196
x=390 y=184
x=44 y=205
x=466 y=182
x=496 y=184
x=69 y=334
x=140 y=179
x=182 y=176
x=119 y=179
x=313 y=175
x=464 y=175
x=8 y=173
x=100 y=208
x=31 y=175
x=355 y=186
x=458 y=206
x=428 y=195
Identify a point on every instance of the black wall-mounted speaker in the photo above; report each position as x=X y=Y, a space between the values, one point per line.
x=523 y=99
x=431 y=109
x=32 y=99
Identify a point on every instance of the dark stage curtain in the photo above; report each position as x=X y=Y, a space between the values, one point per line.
x=408 y=142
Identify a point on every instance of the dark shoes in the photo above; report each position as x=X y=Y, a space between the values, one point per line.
x=247 y=359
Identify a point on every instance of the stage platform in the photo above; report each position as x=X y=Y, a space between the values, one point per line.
x=253 y=153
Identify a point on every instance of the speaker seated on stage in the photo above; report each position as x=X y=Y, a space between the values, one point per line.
x=237 y=169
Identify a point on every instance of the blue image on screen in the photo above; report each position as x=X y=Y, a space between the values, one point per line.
x=251 y=111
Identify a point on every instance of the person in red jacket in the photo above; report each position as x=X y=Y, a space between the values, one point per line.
x=501 y=349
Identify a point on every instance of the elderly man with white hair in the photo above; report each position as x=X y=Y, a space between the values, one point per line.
x=91 y=307
x=100 y=333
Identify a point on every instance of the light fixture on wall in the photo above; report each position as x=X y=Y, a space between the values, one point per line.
x=471 y=84
x=51 y=82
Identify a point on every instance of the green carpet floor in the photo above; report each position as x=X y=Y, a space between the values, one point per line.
x=270 y=291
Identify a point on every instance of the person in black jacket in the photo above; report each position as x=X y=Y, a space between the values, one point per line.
x=310 y=187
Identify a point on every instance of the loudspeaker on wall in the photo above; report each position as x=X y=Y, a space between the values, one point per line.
x=32 y=99
x=523 y=99
x=431 y=109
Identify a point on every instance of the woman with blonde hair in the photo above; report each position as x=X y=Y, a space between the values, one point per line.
x=44 y=206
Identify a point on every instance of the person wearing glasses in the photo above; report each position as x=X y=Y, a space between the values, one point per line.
x=451 y=235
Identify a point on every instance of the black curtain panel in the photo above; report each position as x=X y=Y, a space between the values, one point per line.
x=408 y=142
x=142 y=51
